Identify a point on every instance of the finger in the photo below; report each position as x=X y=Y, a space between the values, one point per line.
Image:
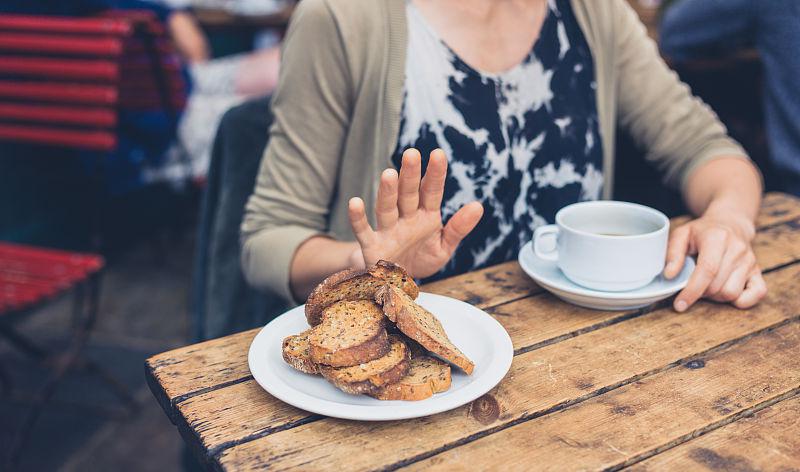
x=755 y=290
x=358 y=221
x=734 y=258
x=408 y=198
x=432 y=187
x=734 y=285
x=460 y=225
x=677 y=250
x=711 y=249
x=386 y=204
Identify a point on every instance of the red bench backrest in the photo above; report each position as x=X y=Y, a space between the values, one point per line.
x=63 y=80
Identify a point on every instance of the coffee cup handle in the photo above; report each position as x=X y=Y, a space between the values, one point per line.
x=540 y=233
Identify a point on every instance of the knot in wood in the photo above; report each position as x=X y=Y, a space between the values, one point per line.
x=485 y=409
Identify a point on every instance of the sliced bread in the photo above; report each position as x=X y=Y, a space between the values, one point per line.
x=351 y=333
x=356 y=285
x=296 y=353
x=370 y=376
x=420 y=325
x=425 y=377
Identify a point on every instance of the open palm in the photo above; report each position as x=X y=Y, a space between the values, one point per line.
x=410 y=231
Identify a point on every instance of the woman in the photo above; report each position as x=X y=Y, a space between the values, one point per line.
x=524 y=97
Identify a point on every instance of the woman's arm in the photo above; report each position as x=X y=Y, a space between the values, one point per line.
x=684 y=139
x=317 y=258
x=311 y=108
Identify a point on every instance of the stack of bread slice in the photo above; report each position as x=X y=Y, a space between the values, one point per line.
x=369 y=336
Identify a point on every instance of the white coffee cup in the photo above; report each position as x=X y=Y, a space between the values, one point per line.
x=606 y=245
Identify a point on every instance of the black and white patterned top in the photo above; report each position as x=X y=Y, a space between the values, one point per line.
x=524 y=142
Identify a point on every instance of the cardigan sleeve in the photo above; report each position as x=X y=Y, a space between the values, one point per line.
x=678 y=130
x=296 y=180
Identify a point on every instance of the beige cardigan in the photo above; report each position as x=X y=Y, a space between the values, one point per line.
x=337 y=117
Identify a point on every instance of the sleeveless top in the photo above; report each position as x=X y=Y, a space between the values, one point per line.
x=524 y=142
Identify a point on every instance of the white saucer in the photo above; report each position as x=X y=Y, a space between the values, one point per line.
x=550 y=277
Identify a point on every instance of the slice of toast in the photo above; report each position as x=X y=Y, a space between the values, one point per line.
x=297 y=353
x=356 y=285
x=420 y=325
x=425 y=377
x=371 y=376
x=351 y=333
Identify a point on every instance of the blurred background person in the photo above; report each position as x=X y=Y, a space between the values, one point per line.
x=704 y=29
x=158 y=153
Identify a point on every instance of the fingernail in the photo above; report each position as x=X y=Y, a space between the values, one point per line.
x=669 y=267
x=681 y=306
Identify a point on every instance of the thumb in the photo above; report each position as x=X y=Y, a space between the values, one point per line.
x=677 y=249
x=460 y=225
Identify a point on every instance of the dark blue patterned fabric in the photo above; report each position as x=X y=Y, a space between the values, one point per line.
x=524 y=142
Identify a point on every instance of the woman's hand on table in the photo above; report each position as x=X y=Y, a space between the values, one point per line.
x=726 y=265
x=410 y=231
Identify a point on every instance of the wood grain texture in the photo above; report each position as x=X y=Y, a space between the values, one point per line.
x=777 y=207
x=177 y=373
x=487 y=287
x=769 y=440
x=636 y=420
x=193 y=368
x=566 y=355
x=533 y=323
x=539 y=381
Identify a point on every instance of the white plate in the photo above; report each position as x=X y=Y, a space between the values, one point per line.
x=476 y=333
x=549 y=276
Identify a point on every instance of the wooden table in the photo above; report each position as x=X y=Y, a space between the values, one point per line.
x=715 y=388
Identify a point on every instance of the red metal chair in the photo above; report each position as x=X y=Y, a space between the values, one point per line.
x=63 y=83
x=29 y=277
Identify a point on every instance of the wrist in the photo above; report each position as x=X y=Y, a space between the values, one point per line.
x=732 y=216
x=355 y=258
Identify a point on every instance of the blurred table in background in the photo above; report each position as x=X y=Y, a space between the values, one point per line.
x=221 y=19
x=248 y=14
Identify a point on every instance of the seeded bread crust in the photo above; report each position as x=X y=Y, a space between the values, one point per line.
x=296 y=353
x=370 y=377
x=354 y=284
x=420 y=325
x=425 y=377
x=351 y=333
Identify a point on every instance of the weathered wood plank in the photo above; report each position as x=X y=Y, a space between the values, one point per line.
x=564 y=373
x=532 y=322
x=635 y=421
x=767 y=440
x=200 y=366
x=233 y=414
x=777 y=207
x=224 y=360
x=493 y=286
x=487 y=287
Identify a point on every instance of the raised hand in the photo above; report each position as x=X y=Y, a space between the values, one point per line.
x=410 y=231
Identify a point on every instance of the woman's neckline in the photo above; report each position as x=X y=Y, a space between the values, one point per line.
x=491 y=75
